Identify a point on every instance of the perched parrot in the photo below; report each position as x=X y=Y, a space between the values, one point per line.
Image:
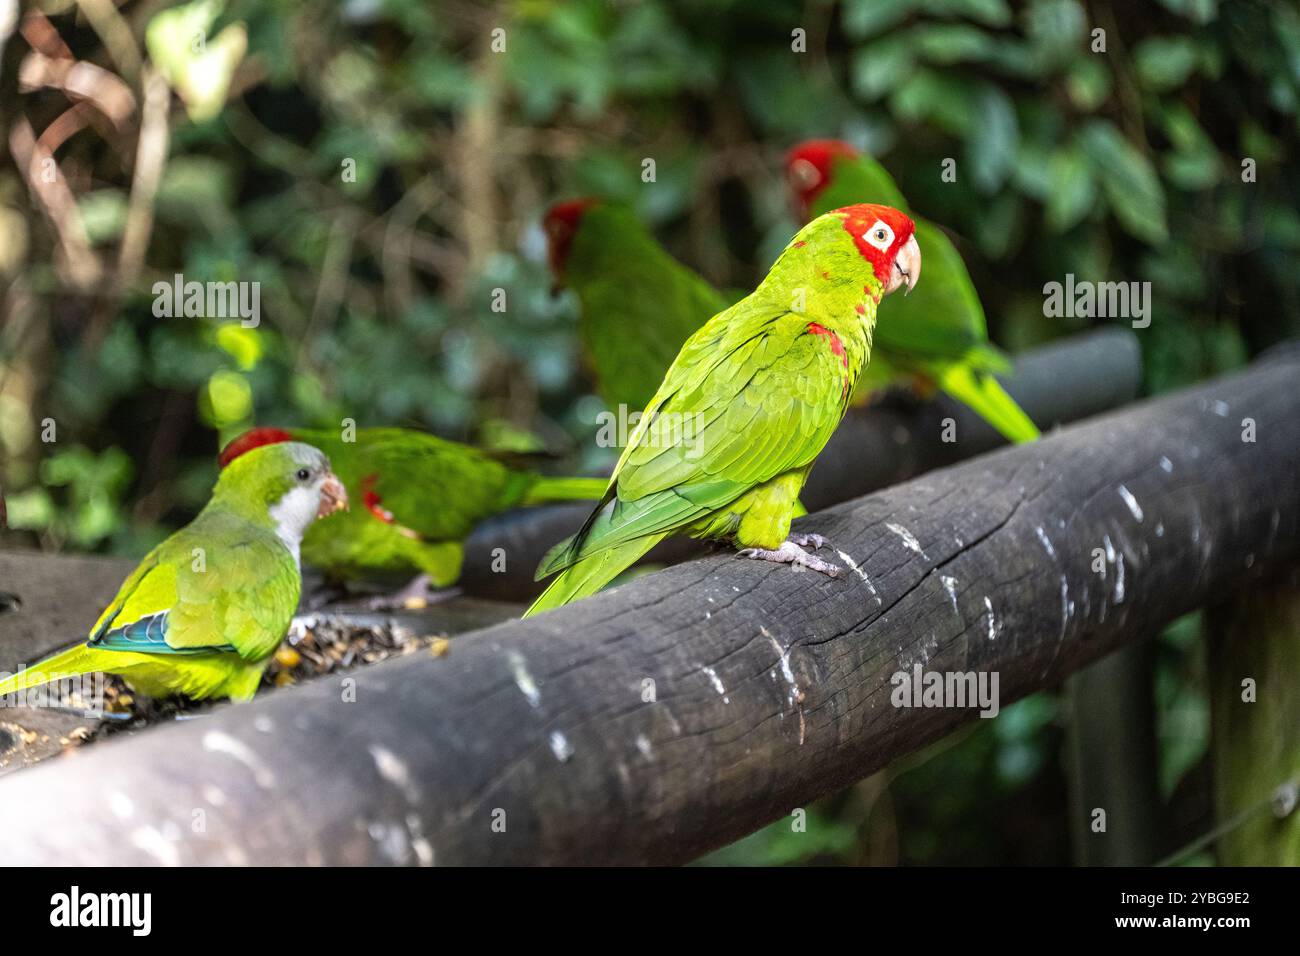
x=937 y=335
x=206 y=609
x=638 y=303
x=417 y=497
x=724 y=446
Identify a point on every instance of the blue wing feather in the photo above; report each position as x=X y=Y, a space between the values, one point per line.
x=147 y=635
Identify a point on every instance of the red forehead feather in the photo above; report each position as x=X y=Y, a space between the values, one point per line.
x=246 y=442
x=864 y=214
x=861 y=217
x=820 y=152
x=808 y=169
x=560 y=223
x=569 y=211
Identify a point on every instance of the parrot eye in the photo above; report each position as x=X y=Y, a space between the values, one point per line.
x=879 y=235
x=303 y=474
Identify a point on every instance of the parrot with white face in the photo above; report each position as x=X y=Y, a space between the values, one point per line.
x=205 y=610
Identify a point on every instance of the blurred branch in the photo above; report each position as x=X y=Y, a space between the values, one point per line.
x=41 y=36
x=8 y=20
x=116 y=35
x=150 y=158
x=395 y=260
x=334 y=274
x=81 y=81
x=443 y=259
x=475 y=151
x=80 y=265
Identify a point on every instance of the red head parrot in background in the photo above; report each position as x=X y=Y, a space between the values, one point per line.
x=416 y=497
x=206 y=609
x=938 y=334
x=638 y=303
x=724 y=446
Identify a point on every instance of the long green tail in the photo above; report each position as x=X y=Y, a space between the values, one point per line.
x=982 y=393
x=546 y=490
x=589 y=575
x=79 y=659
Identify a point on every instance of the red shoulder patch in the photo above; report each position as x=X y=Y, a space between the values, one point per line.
x=374 y=504
x=837 y=348
x=254 y=438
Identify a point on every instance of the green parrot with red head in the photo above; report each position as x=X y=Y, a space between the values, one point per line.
x=416 y=497
x=724 y=446
x=937 y=335
x=637 y=303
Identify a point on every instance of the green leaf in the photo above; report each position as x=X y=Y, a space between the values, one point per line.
x=948 y=43
x=104 y=214
x=994 y=139
x=1194 y=163
x=866 y=18
x=1128 y=179
x=881 y=66
x=1165 y=63
x=997 y=230
x=1199 y=11
x=1030 y=175
x=1088 y=83
x=1055 y=29
x=1192 y=170
x=199 y=67
x=1072 y=189
x=993 y=13
x=945 y=100
x=438 y=80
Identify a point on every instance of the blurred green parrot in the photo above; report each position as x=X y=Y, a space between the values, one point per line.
x=206 y=609
x=938 y=335
x=724 y=446
x=417 y=497
x=638 y=303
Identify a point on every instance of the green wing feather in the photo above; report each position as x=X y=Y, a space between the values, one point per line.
x=638 y=303
x=222 y=583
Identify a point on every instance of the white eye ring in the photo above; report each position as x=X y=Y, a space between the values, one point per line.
x=879 y=235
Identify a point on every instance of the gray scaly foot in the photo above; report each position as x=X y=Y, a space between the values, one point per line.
x=792 y=554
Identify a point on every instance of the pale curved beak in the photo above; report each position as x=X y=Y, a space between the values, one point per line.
x=907 y=267
x=333 y=496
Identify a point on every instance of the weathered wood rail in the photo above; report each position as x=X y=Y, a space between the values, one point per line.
x=535 y=741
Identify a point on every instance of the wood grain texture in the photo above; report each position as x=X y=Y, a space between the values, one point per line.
x=772 y=687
